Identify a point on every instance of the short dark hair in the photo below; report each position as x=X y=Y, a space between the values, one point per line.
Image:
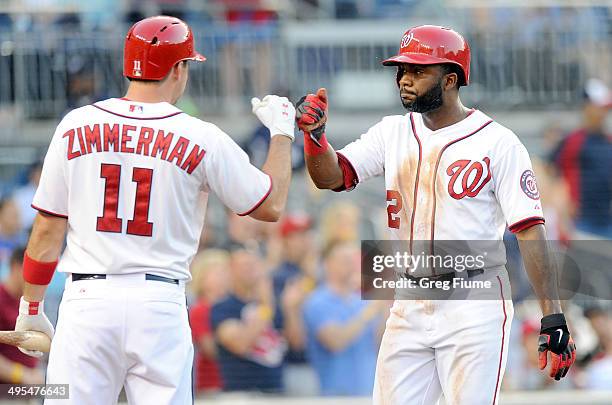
x=448 y=68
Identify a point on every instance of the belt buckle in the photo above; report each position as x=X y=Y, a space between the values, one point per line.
x=443 y=277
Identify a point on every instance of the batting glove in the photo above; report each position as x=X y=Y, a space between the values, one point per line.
x=311 y=115
x=32 y=318
x=555 y=338
x=276 y=113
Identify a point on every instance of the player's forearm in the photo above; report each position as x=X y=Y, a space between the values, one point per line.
x=541 y=269
x=278 y=167
x=47 y=238
x=44 y=246
x=324 y=169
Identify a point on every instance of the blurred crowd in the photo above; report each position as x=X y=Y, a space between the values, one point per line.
x=103 y=14
x=61 y=54
x=276 y=307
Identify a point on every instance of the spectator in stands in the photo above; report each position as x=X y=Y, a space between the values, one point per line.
x=584 y=159
x=12 y=233
x=242 y=230
x=554 y=195
x=15 y=367
x=208 y=286
x=599 y=370
x=300 y=257
x=339 y=223
x=257 y=144
x=529 y=377
x=343 y=331
x=293 y=281
x=25 y=194
x=246 y=327
x=252 y=24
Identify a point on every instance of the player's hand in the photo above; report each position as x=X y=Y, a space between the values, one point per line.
x=311 y=114
x=276 y=113
x=555 y=340
x=32 y=317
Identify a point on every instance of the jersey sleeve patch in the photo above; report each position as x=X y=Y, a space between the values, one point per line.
x=529 y=185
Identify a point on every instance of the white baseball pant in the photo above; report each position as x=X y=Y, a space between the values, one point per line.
x=453 y=347
x=122 y=331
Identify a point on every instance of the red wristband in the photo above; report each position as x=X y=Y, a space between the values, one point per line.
x=35 y=272
x=311 y=148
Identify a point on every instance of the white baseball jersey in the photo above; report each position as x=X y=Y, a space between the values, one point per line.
x=462 y=182
x=133 y=180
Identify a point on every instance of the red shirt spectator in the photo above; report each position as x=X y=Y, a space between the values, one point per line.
x=9 y=309
x=253 y=11
x=207 y=371
x=209 y=285
x=15 y=367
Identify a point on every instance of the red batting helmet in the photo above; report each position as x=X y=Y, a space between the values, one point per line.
x=154 y=45
x=432 y=44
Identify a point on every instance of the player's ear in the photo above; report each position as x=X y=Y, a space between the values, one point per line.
x=176 y=70
x=450 y=80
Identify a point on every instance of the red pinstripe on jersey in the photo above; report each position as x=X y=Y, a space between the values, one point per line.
x=501 y=350
x=416 y=181
x=433 y=221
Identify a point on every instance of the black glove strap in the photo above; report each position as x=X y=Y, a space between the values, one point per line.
x=318 y=132
x=553 y=321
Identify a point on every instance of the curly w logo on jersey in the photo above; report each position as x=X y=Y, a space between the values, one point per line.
x=473 y=175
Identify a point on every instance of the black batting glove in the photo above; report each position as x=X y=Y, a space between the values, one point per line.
x=555 y=338
x=310 y=111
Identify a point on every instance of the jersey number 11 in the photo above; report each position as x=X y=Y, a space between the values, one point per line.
x=110 y=221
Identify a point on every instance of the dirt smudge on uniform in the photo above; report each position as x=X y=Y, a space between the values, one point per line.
x=405 y=179
x=425 y=198
x=385 y=377
x=394 y=321
x=457 y=384
x=441 y=186
x=428 y=307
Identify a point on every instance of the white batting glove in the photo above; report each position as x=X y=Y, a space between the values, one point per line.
x=276 y=113
x=32 y=317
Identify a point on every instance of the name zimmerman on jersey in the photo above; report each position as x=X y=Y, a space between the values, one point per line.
x=140 y=140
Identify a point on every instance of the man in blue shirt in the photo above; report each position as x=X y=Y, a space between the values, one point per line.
x=343 y=332
x=246 y=328
x=584 y=159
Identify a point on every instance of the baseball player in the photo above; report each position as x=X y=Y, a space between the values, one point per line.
x=128 y=179
x=451 y=173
